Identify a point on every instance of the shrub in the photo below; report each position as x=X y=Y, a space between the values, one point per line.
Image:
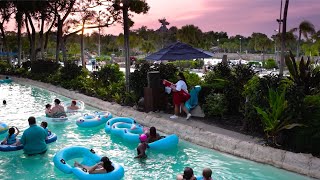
x=256 y=94
x=138 y=79
x=307 y=139
x=192 y=79
x=215 y=105
x=44 y=67
x=273 y=118
x=70 y=71
x=109 y=74
x=270 y=64
x=4 y=67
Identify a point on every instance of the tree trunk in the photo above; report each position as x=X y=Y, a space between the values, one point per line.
x=41 y=39
x=33 y=39
x=19 y=22
x=29 y=36
x=48 y=32
x=4 y=40
x=298 y=45
x=63 y=47
x=283 y=37
x=59 y=37
x=82 y=46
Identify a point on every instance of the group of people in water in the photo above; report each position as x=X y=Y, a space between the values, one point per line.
x=34 y=142
x=58 y=110
x=33 y=139
x=188 y=174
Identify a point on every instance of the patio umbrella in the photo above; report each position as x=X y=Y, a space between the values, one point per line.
x=179 y=51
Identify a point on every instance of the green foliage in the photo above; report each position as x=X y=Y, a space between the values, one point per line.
x=190 y=34
x=300 y=75
x=70 y=71
x=196 y=64
x=270 y=64
x=215 y=105
x=138 y=79
x=255 y=92
x=230 y=81
x=192 y=78
x=26 y=65
x=44 y=67
x=273 y=119
x=307 y=139
x=109 y=74
x=4 y=67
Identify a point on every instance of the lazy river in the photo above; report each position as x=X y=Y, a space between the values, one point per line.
x=24 y=101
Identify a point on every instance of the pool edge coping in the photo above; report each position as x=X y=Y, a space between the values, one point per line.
x=301 y=163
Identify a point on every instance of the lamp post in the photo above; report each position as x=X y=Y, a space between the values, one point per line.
x=218 y=45
x=240 y=44
x=124 y=5
x=275 y=46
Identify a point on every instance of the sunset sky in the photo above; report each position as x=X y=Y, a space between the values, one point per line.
x=232 y=16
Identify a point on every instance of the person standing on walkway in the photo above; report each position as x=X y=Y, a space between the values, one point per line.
x=34 y=138
x=178 y=97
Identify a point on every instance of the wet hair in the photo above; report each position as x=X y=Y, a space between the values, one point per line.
x=45 y=124
x=153 y=132
x=7 y=77
x=107 y=164
x=57 y=101
x=48 y=105
x=187 y=173
x=32 y=120
x=182 y=77
x=4 y=102
x=74 y=102
x=206 y=173
x=11 y=131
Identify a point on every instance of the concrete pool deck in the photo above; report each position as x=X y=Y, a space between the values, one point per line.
x=205 y=135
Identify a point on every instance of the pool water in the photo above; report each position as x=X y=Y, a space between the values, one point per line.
x=24 y=101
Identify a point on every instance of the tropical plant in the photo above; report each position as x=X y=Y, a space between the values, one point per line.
x=270 y=64
x=305 y=28
x=273 y=119
x=300 y=75
x=215 y=105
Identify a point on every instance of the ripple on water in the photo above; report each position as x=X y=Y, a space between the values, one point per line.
x=24 y=101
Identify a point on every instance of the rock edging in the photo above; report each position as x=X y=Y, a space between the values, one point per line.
x=305 y=164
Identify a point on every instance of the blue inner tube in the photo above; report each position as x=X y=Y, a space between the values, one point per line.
x=111 y=121
x=51 y=138
x=129 y=132
x=89 y=159
x=5 y=81
x=166 y=143
x=3 y=127
x=57 y=120
x=93 y=120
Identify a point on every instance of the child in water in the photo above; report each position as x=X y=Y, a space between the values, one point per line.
x=45 y=125
x=11 y=139
x=48 y=110
x=142 y=147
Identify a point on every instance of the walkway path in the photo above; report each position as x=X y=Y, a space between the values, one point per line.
x=211 y=128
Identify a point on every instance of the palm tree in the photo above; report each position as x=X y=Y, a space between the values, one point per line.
x=283 y=36
x=305 y=28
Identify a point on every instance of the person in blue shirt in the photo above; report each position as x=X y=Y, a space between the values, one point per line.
x=34 y=138
x=44 y=125
x=11 y=139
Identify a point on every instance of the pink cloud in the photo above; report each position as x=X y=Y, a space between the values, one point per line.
x=233 y=16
